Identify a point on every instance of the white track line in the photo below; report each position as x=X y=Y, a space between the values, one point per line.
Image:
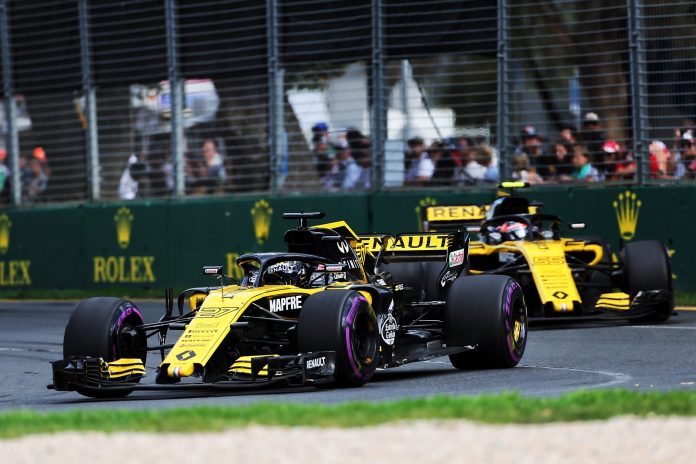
x=668 y=327
x=618 y=377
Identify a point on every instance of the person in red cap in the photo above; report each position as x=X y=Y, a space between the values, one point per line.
x=40 y=154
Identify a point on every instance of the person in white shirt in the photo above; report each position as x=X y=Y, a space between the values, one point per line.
x=422 y=167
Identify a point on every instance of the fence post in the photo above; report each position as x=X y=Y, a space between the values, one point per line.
x=275 y=96
x=377 y=132
x=405 y=103
x=88 y=90
x=638 y=86
x=176 y=94
x=503 y=111
x=11 y=136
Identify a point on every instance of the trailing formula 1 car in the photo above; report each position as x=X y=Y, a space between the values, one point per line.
x=561 y=276
x=329 y=310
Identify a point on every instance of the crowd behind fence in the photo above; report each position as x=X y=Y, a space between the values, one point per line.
x=108 y=100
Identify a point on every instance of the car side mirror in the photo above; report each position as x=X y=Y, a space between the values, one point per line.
x=212 y=270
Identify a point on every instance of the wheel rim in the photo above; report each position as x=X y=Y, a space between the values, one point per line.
x=360 y=339
x=364 y=344
x=515 y=323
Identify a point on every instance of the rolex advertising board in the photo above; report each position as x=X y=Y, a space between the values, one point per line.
x=155 y=244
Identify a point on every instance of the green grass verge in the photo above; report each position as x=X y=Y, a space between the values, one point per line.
x=502 y=408
x=685 y=298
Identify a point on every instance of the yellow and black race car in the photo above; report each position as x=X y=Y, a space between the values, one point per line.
x=560 y=276
x=329 y=309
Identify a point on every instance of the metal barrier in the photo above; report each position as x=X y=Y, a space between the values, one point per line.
x=108 y=100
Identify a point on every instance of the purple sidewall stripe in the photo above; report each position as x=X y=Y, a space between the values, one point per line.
x=349 y=346
x=130 y=309
x=508 y=308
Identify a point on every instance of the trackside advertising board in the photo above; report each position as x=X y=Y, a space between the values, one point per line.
x=155 y=244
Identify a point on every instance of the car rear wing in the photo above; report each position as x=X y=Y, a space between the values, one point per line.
x=451 y=249
x=454 y=217
x=415 y=247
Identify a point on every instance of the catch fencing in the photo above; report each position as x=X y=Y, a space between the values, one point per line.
x=107 y=100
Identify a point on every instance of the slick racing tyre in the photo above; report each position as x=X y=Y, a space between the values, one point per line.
x=95 y=329
x=487 y=312
x=647 y=267
x=342 y=321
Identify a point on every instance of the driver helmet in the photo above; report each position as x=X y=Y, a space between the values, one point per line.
x=287 y=273
x=513 y=230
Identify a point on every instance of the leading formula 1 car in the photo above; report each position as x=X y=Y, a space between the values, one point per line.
x=561 y=276
x=327 y=310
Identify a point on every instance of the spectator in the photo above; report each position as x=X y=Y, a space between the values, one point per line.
x=532 y=147
x=421 y=167
x=346 y=174
x=322 y=160
x=521 y=170
x=461 y=150
x=686 y=162
x=445 y=165
x=4 y=172
x=362 y=157
x=135 y=173
x=320 y=131
x=662 y=164
x=567 y=135
x=625 y=165
x=35 y=181
x=610 y=150
x=483 y=154
x=592 y=136
x=472 y=171
x=582 y=166
x=561 y=162
x=212 y=170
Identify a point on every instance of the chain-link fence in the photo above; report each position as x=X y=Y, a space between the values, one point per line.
x=153 y=98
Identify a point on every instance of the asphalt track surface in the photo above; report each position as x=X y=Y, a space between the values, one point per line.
x=559 y=359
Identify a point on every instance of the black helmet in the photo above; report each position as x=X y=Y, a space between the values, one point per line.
x=287 y=273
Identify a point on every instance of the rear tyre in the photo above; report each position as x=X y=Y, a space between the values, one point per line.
x=342 y=321
x=96 y=329
x=646 y=266
x=489 y=313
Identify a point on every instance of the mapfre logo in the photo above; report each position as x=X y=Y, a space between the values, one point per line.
x=285 y=304
x=13 y=272
x=627 y=207
x=261 y=214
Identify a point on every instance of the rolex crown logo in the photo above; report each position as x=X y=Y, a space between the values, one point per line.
x=627 y=208
x=5 y=226
x=261 y=214
x=424 y=203
x=124 y=222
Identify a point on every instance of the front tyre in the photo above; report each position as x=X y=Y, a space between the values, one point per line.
x=342 y=321
x=487 y=312
x=97 y=328
x=646 y=266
